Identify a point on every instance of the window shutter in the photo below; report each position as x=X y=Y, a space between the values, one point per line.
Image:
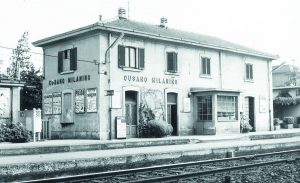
x=251 y=71
x=169 y=62
x=60 y=61
x=73 y=59
x=175 y=69
x=208 y=66
x=141 y=58
x=121 y=56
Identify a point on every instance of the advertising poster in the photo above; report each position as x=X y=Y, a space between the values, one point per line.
x=91 y=100
x=47 y=104
x=79 y=101
x=56 y=103
x=5 y=102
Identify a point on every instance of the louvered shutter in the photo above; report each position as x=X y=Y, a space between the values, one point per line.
x=60 y=61
x=141 y=58
x=73 y=59
x=169 y=62
x=121 y=56
x=175 y=69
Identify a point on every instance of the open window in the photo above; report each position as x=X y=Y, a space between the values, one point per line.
x=67 y=60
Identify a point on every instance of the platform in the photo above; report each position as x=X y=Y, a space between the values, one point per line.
x=74 y=156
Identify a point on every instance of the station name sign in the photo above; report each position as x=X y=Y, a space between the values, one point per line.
x=73 y=79
x=144 y=79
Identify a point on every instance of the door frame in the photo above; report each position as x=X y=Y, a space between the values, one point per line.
x=254 y=117
x=176 y=91
x=138 y=99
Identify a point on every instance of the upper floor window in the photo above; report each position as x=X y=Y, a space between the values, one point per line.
x=172 y=65
x=131 y=57
x=205 y=66
x=249 y=72
x=67 y=60
x=298 y=92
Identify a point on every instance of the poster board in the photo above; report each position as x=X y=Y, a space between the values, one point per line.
x=262 y=104
x=116 y=100
x=187 y=104
x=47 y=104
x=91 y=100
x=56 y=103
x=79 y=101
x=120 y=127
x=5 y=102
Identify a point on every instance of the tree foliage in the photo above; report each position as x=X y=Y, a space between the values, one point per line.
x=31 y=94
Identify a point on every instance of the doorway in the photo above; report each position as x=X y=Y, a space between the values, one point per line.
x=249 y=111
x=172 y=112
x=131 y=114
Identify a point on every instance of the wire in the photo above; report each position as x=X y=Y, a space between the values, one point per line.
x=81 y=60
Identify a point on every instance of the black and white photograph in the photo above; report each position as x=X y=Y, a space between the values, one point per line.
x=142 y=91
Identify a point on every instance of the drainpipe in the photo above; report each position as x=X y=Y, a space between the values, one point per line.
x=270 y=95
x=107 y=60
x=220 y=70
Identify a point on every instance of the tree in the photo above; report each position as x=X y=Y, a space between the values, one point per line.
x=21 y=68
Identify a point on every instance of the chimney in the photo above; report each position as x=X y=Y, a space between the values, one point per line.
x=122 y=13
x=163 y=22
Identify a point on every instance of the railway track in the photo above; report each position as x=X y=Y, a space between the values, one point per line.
x=185 y=172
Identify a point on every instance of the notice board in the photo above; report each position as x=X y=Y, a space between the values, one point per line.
x=120 y=127
x=47 y=104
x=56 y=103
x=79 y=101
x=91 y=100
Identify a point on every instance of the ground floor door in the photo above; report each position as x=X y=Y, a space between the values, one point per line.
x=172 y=112
x=249 y=111
x=131 y=114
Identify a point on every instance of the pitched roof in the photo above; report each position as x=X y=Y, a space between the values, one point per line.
x=286 y=69
x=162 y=33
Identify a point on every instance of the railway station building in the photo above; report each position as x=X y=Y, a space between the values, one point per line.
x=199 y=84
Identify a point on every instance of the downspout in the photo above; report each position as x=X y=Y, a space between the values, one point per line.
x=220 y=70
x=270 y=96
x=107 y=60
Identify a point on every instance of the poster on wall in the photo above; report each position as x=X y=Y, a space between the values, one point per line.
x=262 y=104
x=116 y=100
x=56 y=103
x=91 y=100
x=47 y=104
x=187 y=104
x=5 y=102
x=79 y=101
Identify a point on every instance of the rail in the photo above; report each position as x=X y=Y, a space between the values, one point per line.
x=179 y=174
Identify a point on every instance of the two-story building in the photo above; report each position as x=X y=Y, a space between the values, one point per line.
x=286 y=91
x=105 y=71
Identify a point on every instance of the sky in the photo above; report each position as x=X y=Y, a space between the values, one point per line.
x=272 y=26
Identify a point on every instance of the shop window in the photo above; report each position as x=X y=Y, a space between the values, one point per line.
x=131 y=57
x=204 y=108
x=172 y=62
x=205 y=66
x=249 y=72
x=67 y=60
x=298 y=92
x=227 y=108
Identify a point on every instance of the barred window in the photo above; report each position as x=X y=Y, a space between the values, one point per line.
x=204 y=108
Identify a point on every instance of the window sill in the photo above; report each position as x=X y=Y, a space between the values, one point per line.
x=249 y=80
x=131 y=69
x=67 y=72
x=205 y=76
x=172 y=73
x=227 y=120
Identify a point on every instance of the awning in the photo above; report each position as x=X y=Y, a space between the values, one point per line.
x=199 y=89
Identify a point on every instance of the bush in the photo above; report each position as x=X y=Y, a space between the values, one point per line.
x=277 y=121
x=245 y=125
x=289 y=120
x=298 y=120
x=14 y=133
x=155 y=128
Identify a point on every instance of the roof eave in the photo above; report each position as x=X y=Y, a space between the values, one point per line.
x=101 y=26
